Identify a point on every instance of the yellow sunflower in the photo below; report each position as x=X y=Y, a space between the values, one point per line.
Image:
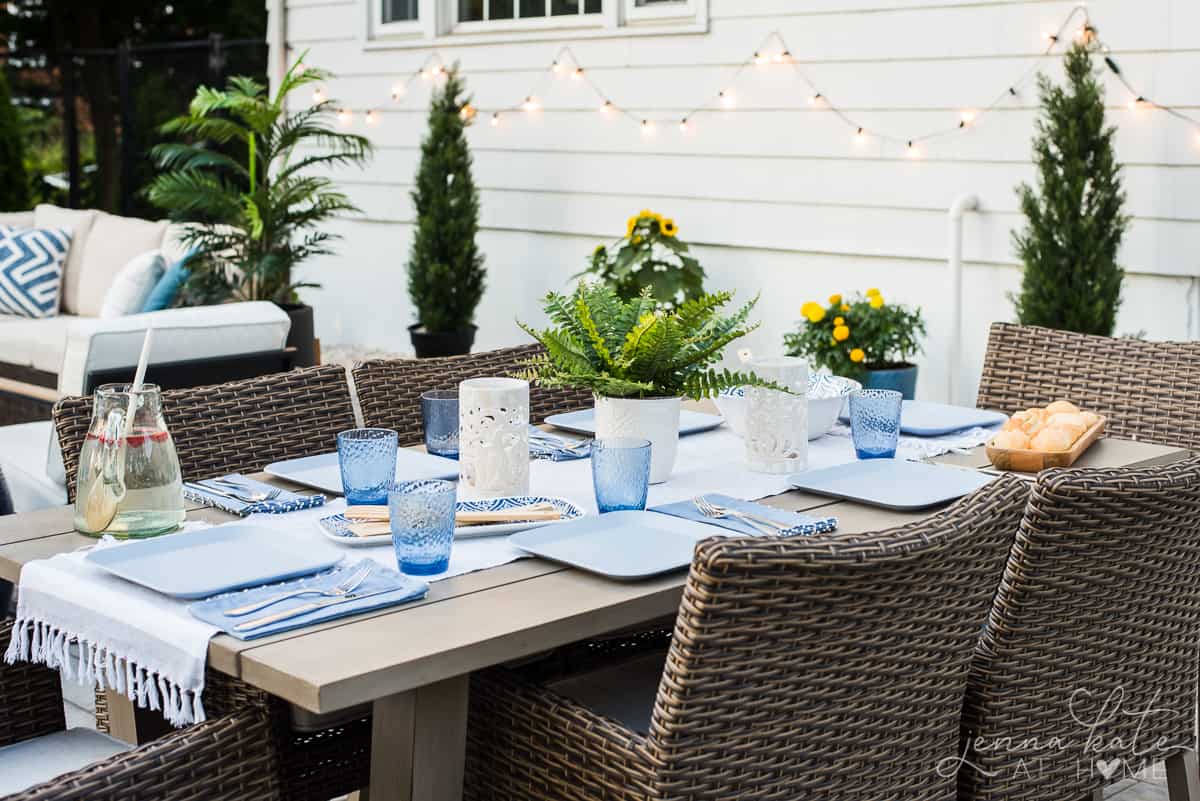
x=877 y=301
x=835 y=299
x=857 y=355
x=668 y=227
x=630 y=224
x=841 y=333
x=637 y=239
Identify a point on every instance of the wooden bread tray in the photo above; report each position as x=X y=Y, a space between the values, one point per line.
x=1024 y=461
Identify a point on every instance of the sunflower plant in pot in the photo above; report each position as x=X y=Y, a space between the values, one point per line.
x=862 y=337
x=639 y=359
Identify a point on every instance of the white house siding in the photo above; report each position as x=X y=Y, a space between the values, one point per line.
x=776 y=197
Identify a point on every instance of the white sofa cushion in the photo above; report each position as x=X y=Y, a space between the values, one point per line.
x=132 y=285
x=17 y=219
x=24 y=764
x=199 y=332
x=111 y=244
x=79 y=223
x=34 y=343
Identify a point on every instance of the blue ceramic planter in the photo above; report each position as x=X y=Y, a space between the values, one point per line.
x=901 y=379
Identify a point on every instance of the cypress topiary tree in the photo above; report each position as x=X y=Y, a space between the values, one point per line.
x=1074 y=225
x=445 y=267
x=14 y=182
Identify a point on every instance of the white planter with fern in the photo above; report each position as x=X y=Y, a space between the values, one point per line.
x=654 y=419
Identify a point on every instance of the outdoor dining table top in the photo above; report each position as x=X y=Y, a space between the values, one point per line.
x=412 y=661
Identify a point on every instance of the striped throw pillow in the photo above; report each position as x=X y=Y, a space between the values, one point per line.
x=31 y=269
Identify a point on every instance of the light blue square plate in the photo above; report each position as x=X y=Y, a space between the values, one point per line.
x=928 y=419
x=322 y=471
x=892 y=483
x=205 y=562
x=584 y=422
x=620 y=545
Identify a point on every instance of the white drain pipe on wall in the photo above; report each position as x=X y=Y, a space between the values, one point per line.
x=961 y=205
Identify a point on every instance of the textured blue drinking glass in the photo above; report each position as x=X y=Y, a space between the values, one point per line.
x=367 y=458
x=621 y=473
x=422 y=517
x=875 y=422
x=439 y=415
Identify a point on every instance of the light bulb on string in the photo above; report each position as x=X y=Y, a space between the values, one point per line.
x=1051 y=38
x=530 y=104
x=555 y=67
x=816 y=100
x=467 y=112
x=760 y=59
x=727 y=98
x=399 y=89
x=860 y=136
x=345 y=117
x=577 y=75
x=1137 y=103
x=606 y=107
x=966 y=117
x=496 y=120
x=438 y=70
x=425 y=75
x=783 y=57
x=911 y=151
x=371 y=118
x=648 y=128
x=318 y=96
x=685 y=125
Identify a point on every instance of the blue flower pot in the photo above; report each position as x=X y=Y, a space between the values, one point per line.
x=901 y=379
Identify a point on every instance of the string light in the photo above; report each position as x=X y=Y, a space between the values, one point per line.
x=774 y=49
x=467 y=112
x=345 y=117
x=318 y=96
x=371 y=117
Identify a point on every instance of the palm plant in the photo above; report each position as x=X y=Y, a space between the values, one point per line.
x=257 y=211
x=637 y=349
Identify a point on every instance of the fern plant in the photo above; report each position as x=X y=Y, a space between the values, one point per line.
x=259 y=210
x=637 y=349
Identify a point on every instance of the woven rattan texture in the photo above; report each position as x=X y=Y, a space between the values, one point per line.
x=31 y=703
x=16 y=409
x=239 y=426
x=389 y=390
x=828 y=667
x=1147 y=390
x=1096 y=620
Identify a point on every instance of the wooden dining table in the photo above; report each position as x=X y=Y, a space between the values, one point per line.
x=412 y=663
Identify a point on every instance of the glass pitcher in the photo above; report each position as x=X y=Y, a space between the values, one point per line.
x=128 y=483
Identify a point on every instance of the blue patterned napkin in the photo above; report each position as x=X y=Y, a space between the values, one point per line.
x=799 y=524
x=544 y=445
x=393 y=589
x=284 y=502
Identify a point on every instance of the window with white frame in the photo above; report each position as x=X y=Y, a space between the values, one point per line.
x=409 y=22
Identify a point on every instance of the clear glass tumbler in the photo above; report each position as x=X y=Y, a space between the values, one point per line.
x=621 y=473
x=875 y=422
x=439 y=416
x=422 y=518
x=367 y=457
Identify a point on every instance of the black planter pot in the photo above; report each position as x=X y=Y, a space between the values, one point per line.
x=428 y=344
x=301 y=335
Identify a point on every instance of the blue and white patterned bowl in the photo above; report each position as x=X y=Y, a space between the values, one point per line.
x=337 y=527
x=827 y=396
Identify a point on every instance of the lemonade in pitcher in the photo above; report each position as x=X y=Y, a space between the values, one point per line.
x=128 y=483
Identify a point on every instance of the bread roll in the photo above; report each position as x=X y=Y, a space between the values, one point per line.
x=1068 y=421
x=1034 y=421
x=1053 y=438
x=1011 y=440
x=1015 y=423
x=1090 y=418
x=1062 y=406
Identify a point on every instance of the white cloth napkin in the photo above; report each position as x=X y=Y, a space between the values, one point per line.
x=917 y=448
x=129 y=639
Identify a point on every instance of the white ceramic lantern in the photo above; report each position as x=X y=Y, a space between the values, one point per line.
x=777 y=422
x=493 y=437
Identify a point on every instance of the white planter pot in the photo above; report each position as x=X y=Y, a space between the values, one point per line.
x=493 y=438
x=655 y=419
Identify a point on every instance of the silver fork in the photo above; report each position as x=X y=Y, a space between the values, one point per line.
x=709 y=509
x=244 y=493
x=345 y=587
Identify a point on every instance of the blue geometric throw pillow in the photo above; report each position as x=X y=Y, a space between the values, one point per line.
x=31 y=268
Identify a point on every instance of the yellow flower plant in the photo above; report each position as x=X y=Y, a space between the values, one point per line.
x=650 y=256
x=855 y=334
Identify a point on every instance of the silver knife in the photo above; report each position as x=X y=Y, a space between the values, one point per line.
x=266 y=620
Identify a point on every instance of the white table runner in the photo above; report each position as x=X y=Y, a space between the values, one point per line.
x=147 y=646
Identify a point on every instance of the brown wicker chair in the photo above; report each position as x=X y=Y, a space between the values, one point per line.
x=238 y=426
x=223 y=759
x=824 y=667
x=1101 y=595
x=1144 y=388
x=243 y=426
x=389 y=390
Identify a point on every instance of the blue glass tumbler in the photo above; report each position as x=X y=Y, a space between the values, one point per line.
x=367 y=458
x=422 y=519
x=875 y=422
x=621 y=473
x=439 y=416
